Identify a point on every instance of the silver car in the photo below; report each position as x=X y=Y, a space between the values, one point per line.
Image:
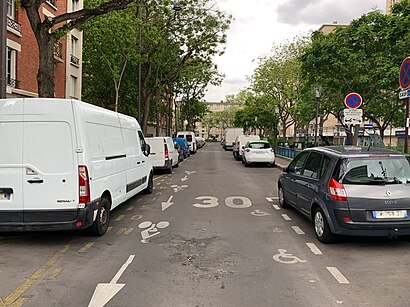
x=349 y=191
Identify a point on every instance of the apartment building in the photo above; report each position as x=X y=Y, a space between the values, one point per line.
x=22 y=53
x=389 y=4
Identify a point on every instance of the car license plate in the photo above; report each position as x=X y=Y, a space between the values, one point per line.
x=396 y=214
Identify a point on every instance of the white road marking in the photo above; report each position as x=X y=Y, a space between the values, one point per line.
x=152 y=229
x=286 y=217
x=260 y=213
x=167 y=204
x=298 y=230
x=271 y=199
x=282 y=256
x=276 y=207
x=339 y=276
x=159 y=177
x=105 y=292
x=184 y=178
x=314 y=248
x=246 y=202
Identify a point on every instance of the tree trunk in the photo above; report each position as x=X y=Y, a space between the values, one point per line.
x=147 y=97
x=284 y=130
x=157 y=117
x=45 y=75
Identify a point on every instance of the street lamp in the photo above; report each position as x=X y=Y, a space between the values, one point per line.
x=256 y=119
x=317 y=92
x=275 y=131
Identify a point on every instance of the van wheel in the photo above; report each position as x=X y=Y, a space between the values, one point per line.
x=322 y=229
x=169 y=171
x=177 y=165
x=102 y=221
x=150 y=186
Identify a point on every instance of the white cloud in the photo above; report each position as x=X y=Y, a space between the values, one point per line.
x=259 y=24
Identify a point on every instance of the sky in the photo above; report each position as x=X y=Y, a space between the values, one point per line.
x=258 y=25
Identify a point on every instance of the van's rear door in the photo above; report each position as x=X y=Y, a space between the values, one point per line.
x=11 y=160
x=50 y=176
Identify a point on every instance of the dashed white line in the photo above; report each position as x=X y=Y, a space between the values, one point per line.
x=276 y=207
x=314 y=248
x=271 y=199
x=339 y=276
x=298 y=230
x=156 y=178
x=286 y=217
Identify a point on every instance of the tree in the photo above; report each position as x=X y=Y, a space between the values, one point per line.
x=48 y=30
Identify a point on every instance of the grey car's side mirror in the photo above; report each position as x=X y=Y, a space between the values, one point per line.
x=285 y=169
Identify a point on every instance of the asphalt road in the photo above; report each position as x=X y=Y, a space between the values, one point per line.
x=211 y=234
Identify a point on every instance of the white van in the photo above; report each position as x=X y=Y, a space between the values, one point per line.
x=229 y=137
x=240 y=142
x=164 y=155
x=189 y=136
x=65 y=164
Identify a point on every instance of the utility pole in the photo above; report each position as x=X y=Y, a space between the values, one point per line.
x=3 y=47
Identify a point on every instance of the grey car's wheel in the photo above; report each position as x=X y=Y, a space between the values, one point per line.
x=282 y=200
x=102 y=221
x=322 y=229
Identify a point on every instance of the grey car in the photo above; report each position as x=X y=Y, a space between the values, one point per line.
x=349 y=191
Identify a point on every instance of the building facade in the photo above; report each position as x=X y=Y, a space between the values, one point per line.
x=22 y=53
x=389 y=4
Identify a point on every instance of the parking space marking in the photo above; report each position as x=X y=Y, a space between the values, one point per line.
x=271 y=199
x=136 y=217
x=276 y=207
x=53 y=275
x=314 y=248
x=286 y=217
x=159 y=177
x=86 y=247
x=109 y=228
x=120 y=217
x=130 y=208
x=125 y=231
x=158 y=183
x=298 y=230
x=39 y=273
x=337 y=275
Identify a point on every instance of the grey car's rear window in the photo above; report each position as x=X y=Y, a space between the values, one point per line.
x=374 y=170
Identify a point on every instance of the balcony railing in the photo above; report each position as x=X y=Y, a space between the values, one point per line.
x=52 y=3
x=74 y=60
x=12 y=82
x=58 y=51
x=11 y=23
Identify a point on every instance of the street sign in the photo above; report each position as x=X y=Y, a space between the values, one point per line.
x=405 y=74
x=404 y=94
x=368 y=126
x=400 y=133
x=353 y=101
x=352 y=116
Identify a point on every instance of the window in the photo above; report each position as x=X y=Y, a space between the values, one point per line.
x=260 y=145
x=297 y=164
x=312 y=165
x=74 y=42
x=73 y=87
x=74 y=5
x=10 y=8
x=142 y=141
x=11 y=67
x=325 y=166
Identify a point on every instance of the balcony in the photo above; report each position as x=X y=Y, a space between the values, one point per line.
x=13 y=25
x=74 y=60
x=58 y=51
x=12 y=82
x=52 y=3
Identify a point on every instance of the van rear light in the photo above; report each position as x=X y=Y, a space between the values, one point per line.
x=337 y=190
x=84 y=184
x=166 y=152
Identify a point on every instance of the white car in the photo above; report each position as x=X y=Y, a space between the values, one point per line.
x=163 y=155
x=258 y=152
x=240 y=142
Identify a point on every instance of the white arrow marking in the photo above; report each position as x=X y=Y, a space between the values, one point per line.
x=167 y=204
x=105 y=292
x=184 y=179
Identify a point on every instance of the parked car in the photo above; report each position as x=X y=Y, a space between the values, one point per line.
x=349 y=191
x=200 y=141
x=67 y=164
x=229 y=137
x=184 y=145
x=240 y=142
x=189 y=136
x=258 y=152
x=163 y=154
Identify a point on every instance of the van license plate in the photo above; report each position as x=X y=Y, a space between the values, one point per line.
x=4 y=196
x=396 y=214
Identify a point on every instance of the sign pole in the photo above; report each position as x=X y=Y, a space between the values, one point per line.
x=406 y=132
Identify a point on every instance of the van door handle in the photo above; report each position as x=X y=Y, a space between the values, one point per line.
x=35 y=181
x=143 y=161
x=138 y=162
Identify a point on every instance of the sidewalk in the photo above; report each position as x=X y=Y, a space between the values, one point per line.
x=282 y=162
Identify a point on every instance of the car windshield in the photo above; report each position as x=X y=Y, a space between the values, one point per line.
x=259 y=145
x=375 y=170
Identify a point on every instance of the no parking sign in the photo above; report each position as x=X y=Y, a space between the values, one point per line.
x=353 y=101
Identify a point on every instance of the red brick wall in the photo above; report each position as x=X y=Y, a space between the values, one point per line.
x=27 y=59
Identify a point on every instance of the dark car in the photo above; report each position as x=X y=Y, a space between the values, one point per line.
x=349 y=191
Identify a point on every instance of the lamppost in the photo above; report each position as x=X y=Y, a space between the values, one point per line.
x=3 y=47
x=276 y=127
x=256 y=119
x=317 y=92
x=177 y=104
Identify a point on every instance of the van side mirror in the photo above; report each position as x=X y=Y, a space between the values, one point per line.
x=243 y=147
x=176 y=146
x=147 y=149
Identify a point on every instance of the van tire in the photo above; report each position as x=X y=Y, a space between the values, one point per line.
x=150 y=187
x=101 y=223
x=169 y=170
